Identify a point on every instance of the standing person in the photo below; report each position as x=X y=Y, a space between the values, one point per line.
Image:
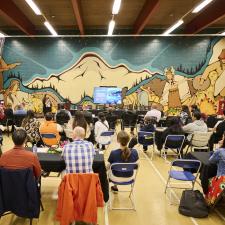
x=79 y=154
x=101 y=126
x=185 y=115
x=31 y=126
x=19 y=157
x=194 y=108
x=122 y=155
x=47 y=104
x=154 y=112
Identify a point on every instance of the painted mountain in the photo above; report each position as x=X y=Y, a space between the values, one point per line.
x=88 y=72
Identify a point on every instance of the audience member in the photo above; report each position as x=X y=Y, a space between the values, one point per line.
x=79 y=154
x=216 y=184
x=175 y=128
x=122 y=155
x=185 y=115
x=79 y=121
x=31 y=126
x=9 y=111
x=198 y=125
x=154 y=112
x=149 y=126
x=49 y=126
x=62 y=116
x=194 y=109
x=101 y=126
x=20 y=110
x=19 y=157
x=218 y=131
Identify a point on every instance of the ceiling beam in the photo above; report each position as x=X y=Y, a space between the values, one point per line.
x=144 y=15
x=77 y=13
x=215 y=11
x=10 y=12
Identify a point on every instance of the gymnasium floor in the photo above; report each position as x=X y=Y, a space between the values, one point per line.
x=152 y=205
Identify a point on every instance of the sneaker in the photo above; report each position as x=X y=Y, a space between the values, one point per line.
x=114 y=189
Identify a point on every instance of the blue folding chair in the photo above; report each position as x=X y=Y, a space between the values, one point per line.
x=123 y=174
x=174 y=143
x=180 y=171
x=147 y=139
x=109 y=134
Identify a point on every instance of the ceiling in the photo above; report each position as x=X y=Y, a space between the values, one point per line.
x=135 y=16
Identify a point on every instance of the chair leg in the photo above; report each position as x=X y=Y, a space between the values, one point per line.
x=167 y=183
x=31 y=221
x=42 y=207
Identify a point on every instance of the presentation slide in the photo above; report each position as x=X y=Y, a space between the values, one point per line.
x=107 y=95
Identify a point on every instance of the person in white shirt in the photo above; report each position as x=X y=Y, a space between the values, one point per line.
x=154 y=112
x=101 y=126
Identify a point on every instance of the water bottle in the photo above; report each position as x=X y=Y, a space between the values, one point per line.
x=34 y=149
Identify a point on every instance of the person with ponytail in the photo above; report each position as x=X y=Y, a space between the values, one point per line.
x=122 y=155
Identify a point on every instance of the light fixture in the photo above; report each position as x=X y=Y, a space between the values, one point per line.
x=172 y=28
x=111 y=27
x=116 y=7
x=201 y=6
x=34 y=7
x=50 y=28
x=223 y=33
x=2 y=35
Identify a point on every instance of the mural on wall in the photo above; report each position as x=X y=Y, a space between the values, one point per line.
x=170 y=71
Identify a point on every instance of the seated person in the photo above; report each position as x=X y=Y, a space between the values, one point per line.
x=20 y=110
x=62 y=116
x=31 y=126
x=79 y=154
x=149 y=126
x=49 y=126
x=198 y=125
x=122 y=155
x=218 y=131
x=185 y=115
x=101 y=126
x=19 y=157
x=154 y=112
x=175 y=128
x=216 y=184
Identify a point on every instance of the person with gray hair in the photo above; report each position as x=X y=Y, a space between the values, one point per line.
x=79 y=154
x=154 y=112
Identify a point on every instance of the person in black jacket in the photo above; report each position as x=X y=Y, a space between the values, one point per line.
x=218 y=132
x=174 y=128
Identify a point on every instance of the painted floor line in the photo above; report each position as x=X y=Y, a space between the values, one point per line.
x=164 y=181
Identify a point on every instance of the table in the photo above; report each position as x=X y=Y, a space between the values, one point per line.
x=207 y=171
x=55 y=163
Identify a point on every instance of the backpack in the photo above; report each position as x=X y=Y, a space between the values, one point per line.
x=192 y=203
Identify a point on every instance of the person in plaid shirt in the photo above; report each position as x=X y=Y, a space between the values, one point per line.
x=79 y=154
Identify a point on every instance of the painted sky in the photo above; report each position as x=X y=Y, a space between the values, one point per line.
x=41 y=57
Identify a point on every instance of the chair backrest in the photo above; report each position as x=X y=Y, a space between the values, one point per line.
x=107 y=133
x=49 y=139
x=146 y=138
x=200 y=139
x=187 y=164
x=174 y=141
x=125 y=170
x=19 y=193
x=18 y=119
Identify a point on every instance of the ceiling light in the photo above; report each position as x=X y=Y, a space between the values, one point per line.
x=34 y=7
x=223 y=33
x=111 y=27
x=116 y=7
x=50 y=28
x=201 y=6
x=2 y=35
x=172 y=28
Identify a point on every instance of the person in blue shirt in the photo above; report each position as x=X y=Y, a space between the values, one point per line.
x=217 y=183
x=122 y=155
x=20 y=110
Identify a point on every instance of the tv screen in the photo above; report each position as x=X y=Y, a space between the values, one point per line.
x=107 y=95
